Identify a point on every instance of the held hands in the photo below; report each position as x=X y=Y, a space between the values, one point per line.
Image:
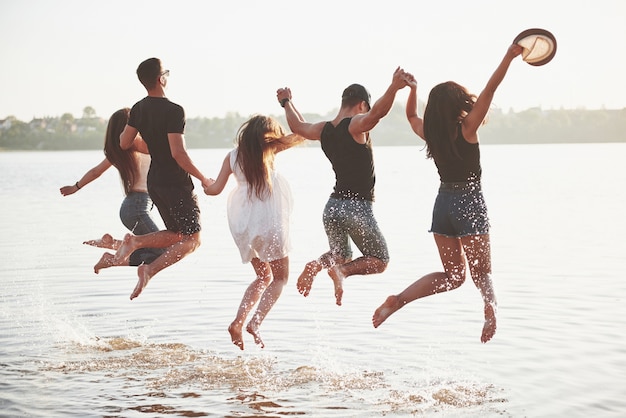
x=410 y=81
x=206 y=184
x=399 y=80
x=283 y=94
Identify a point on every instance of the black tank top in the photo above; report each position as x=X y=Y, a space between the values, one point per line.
x=464 y=169
x=352 y=162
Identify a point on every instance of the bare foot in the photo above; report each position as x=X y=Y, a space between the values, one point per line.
x=305 y=281
x=235 y=334
x=489 y=329
x=107 y=241
x=125 y=250
x=144 y=278
x=384 y=311
x=337 y=277
x=105 y=261
x=254 y=330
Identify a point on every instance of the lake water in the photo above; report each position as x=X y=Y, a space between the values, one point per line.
x=72 y=344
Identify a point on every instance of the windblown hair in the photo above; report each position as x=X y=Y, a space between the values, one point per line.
x=448 y=103
x=257 y=142
x=149 y=72
x=124 y=160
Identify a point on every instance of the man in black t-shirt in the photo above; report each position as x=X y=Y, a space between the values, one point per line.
x=161 y=124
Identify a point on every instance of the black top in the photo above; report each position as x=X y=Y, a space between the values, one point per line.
x=154 y=118
x=464 y=169
x=353 y=163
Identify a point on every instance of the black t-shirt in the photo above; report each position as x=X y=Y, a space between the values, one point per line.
x=154 y=118
x=353 y=163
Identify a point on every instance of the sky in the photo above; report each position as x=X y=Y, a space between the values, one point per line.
x=231 y=56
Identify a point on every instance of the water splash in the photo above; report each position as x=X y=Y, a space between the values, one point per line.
x=259 y=383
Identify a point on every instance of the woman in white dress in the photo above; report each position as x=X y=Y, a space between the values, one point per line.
x=258 y=217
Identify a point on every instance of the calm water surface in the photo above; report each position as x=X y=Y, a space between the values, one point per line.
x=72 y=344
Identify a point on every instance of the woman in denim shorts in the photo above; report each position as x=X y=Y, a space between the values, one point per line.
x=135 y=209
x=459 y=225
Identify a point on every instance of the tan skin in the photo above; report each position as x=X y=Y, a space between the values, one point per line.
x=363 y=120
x=455 y=253
x=178 y=245
x=107 y=241
x=271 y=277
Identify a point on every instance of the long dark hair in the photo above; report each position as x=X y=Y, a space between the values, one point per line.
x=256 y=151
x=448 y=103
x=124 y=160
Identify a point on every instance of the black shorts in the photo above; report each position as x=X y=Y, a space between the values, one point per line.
x=178 y=206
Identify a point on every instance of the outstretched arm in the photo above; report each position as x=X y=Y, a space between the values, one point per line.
x=87 y=178
x=476 y=116
x=222 y=178
x=367 y=121
x=417 y=123
x=296 y=122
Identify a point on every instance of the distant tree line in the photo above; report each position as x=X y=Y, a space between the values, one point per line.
x=529 y=126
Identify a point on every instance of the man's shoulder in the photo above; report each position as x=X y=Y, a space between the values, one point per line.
x=151 y=102
x=174 y=107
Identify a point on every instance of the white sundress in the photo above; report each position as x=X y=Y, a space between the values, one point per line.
x=260 y=228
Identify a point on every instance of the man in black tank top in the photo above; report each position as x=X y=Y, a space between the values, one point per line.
x=348 y=214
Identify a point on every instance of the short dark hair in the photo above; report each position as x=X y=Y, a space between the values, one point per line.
x=149 y=72
x=354 y=94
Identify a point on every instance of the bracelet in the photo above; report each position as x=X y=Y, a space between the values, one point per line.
x=284 y=101
x=77 y=186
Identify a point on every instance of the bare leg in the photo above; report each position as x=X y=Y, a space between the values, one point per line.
x=391 y=304
x=236 y=334
x=126 y=249
x=144 y=278
x=453 y=260
x=107 y=241
x=337 y=276
x=361 y=266
x=425 y=286
x=325 y=261
x=250 y=297
x=159 y=239
x=305 y=281
x=478 y=250
x=106 y=261
x=489 y=328
x=280 y=274
x=173 y=254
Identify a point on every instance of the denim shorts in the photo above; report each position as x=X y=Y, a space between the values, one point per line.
x=460 y=210
x=346 y=219
x=135 y=215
